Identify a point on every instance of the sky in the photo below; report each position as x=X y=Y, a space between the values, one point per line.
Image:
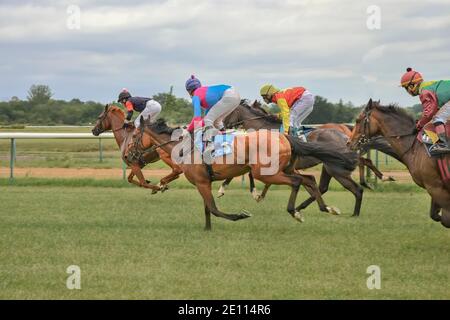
x=347 y=49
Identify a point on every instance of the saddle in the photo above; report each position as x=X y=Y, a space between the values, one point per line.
x=428 y=137
x=223 y=142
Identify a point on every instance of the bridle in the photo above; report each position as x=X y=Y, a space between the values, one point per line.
x=137 y=151
x=101 y=118
x=365 y=135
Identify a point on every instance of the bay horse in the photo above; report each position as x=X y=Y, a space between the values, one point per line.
x=198 y=174
x=112 y=118
x=255 y=117
x=398 y=128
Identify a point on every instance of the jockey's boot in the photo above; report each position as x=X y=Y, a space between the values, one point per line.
x=442 y=146
x=301 y=135
x=298 y=133
x=208 y=138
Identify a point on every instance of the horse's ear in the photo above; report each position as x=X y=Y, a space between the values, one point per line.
x=369 y=104
x=141 y=121
x=106 y=107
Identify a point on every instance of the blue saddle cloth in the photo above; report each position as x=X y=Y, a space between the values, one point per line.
x=223 y=143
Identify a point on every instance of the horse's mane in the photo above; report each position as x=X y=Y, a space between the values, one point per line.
x=160 y=126
x=257 y=110
x=112 y=107
x=396 y=111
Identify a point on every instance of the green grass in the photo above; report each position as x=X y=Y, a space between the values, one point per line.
x=132 y=245
x=180 y=183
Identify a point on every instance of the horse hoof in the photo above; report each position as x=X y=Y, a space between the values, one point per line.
x=245 y=214
x=445 y=220
x=260 y=198
x=154 y=191
x=367 y=186
x=334 y=210
x=388 y=179
x=299 y=216
x=163 y=188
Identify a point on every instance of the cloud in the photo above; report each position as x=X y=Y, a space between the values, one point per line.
x=147 y=46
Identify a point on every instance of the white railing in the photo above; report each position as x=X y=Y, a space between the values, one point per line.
x=13 y=136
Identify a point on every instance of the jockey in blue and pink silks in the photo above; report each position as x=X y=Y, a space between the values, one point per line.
x=217 y=101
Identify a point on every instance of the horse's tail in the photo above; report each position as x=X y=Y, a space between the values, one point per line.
x=327 y=153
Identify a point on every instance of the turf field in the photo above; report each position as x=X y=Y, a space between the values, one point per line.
x=132 y=245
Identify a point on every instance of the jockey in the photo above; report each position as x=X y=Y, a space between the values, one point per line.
x=435 y=99
x=295 y=104
x=218 y=101
x=147 y=107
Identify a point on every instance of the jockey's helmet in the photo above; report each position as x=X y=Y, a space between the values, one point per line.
x=124 y=94
x=192 y=84
x=268 y=90
x=410 y=77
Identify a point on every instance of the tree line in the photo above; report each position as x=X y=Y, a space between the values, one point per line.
x=40 y=109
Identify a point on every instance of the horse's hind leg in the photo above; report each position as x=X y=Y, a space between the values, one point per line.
x=207 y=219
x=323 y=188
x=369 y=164
x=348 y=183
x=256 y=196
x=309 y=182
x=223 y=186
x=205 y=190
x=292 y=180
x=434 y=211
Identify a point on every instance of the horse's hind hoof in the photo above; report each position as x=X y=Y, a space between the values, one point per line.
x=445 y=220
x=388 y=179
x=299 y=216
x=367 y=186
x=154 y=191
x=333 y=210
x=164 y=188
x=245 y=214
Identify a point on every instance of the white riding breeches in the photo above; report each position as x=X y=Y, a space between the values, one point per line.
x=230 y=101
x=152 y=110
x=443 y=115
x=301 y=109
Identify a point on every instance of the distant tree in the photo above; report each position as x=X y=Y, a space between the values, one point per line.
x=39 y=94
x=14 y=99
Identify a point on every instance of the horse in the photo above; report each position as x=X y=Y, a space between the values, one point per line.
x=200 y=175
x=380 y=144
x=255 y=117
x=112 y=118
x=399 y=129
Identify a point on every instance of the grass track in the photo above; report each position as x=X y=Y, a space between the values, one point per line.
x=131 y=245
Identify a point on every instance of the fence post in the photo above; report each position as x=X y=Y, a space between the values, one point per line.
x=368 y=173
x=376 y=165
x=12 y=159
x=100 y=149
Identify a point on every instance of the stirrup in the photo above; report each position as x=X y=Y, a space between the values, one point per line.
x=439 y=148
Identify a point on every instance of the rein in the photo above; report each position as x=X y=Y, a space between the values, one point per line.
x=365 y=135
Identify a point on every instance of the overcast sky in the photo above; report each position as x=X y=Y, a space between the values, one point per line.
x=147 y=46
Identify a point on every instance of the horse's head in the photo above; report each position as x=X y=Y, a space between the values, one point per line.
x=105 y=119
x=366 y=126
